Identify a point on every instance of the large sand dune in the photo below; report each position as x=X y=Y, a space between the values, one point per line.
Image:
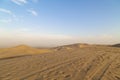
x=21 y=51
x=73 y=62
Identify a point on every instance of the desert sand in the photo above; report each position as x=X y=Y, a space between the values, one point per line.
x=70 y=62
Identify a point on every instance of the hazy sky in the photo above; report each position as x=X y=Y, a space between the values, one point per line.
x=58 y=22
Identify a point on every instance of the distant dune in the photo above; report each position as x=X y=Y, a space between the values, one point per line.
x=69 y=62
x=21 y=50
x=72 y=46
x=116 y=45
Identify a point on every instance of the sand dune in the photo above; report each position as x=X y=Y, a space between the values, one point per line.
x=71 y=62
x=116 y=45
x=20 y=51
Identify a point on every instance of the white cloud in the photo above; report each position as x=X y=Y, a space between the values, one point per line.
x=5 y=11
x=19 y=2
x=9 y=19
x=33 y=12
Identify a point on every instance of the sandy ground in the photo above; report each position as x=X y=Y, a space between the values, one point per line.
x=64 y=63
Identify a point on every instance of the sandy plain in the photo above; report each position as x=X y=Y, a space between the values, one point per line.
x=70 y=62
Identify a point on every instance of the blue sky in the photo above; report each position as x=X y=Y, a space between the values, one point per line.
x=58 y=22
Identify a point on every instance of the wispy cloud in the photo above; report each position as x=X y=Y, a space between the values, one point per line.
x=33 y=12
x=5 y=11
x=10 y=19
x=19 y=2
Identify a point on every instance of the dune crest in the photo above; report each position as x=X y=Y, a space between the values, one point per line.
x=22 y=47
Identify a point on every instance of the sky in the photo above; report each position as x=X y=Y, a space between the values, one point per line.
x=57 y=22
